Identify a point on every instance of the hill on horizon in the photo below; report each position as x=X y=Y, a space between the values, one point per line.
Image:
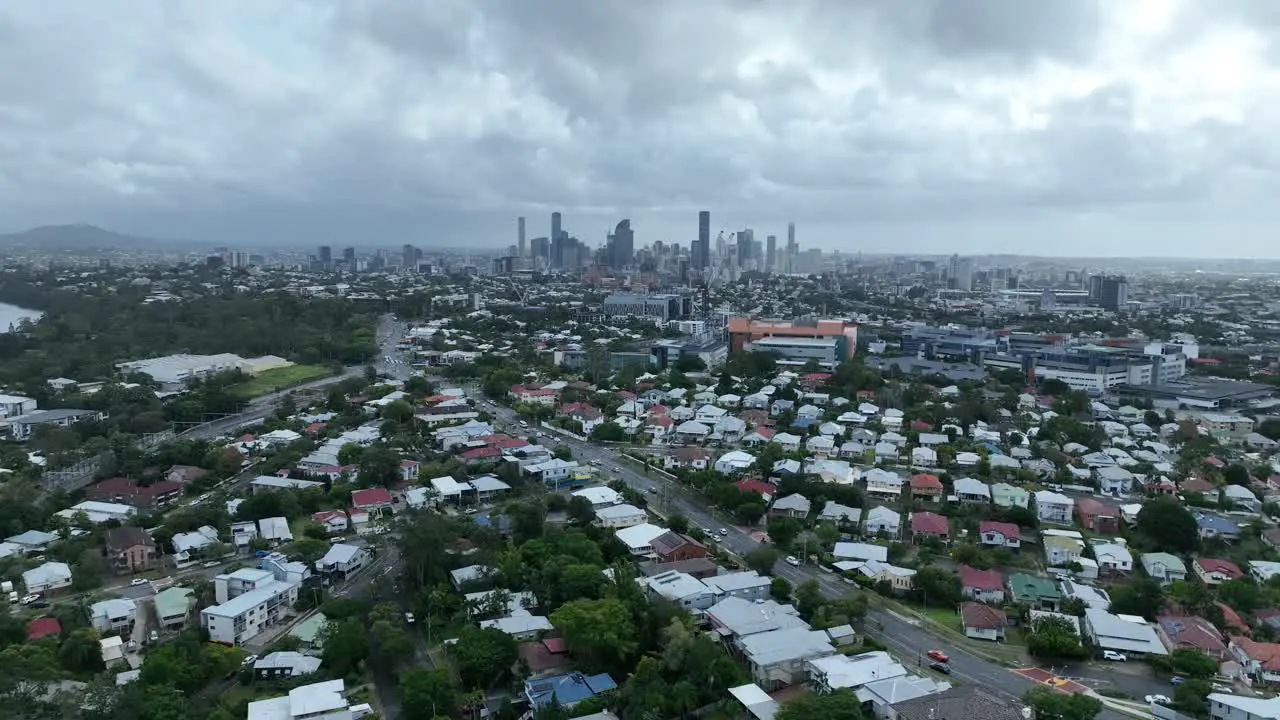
x=75 y=237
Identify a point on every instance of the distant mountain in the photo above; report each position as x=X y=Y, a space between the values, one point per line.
x=75 y=237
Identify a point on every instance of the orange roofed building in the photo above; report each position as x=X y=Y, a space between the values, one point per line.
x=827 y=341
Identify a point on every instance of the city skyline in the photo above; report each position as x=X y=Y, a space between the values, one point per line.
x=1054 y=129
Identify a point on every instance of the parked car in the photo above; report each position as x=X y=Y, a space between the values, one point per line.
x=138 y=581
x=941 y=667
x=28 y=599
x=1113 y=656
x=408 y=618
x=1158 y=700
x=724 y=531
x=938 y=656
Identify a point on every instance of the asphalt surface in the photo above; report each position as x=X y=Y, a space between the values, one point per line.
x=262 y=406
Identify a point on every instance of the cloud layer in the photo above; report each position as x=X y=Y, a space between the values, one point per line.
x=1054 y=127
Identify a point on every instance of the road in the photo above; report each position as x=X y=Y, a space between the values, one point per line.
x=260 y=407
x=902 y=635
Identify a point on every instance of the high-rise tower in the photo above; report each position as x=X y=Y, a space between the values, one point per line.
x=520 y=236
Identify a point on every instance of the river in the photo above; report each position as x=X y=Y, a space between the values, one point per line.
x=12 y=314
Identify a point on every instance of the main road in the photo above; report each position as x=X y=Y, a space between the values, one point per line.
x=905 y=636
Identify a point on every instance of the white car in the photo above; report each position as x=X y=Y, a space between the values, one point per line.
x=724 y=531
x=408 y=617
x=249 y=660
x=792 y=561
x=1113 y=656
x=139 y=581
x=1158 y=700
x=28 y=599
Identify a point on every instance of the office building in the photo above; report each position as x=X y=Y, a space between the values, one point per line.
x=555 y=227
x=349 y=256
x=663 y=306
x=1109 y=292
x=771 y=253
x=828 y=341
x=540 y=251
x=960 y=273
x=793 y=250
x=520 y=236
x=325 y=256
x=409 y=257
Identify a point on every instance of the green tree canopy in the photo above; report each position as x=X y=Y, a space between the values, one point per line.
x=1049 y=704
x=1167 y=525
x=483 y=655
x=839 y=705
x=600 y=633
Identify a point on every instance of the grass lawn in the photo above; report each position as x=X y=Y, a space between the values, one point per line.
x=279 y=379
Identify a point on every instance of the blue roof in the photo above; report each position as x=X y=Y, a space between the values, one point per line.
x=567 y=689
x=1216 y=523
x=991 y=447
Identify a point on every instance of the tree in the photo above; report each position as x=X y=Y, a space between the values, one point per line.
x=1236 y=474
x=427 y=694
x=601 y=633
x=379 y=467
x=608 y=432
x=1056 y=639
x=1193 y=663
x=346 y=646
x=1191 y=696
x=483 y=656
x=763 y=559
x=398 y=411
x=780 y=589
x=1143 y=597
x=1169 y=526
x=808 y=598
x=937 y=587
x=81 y=652
x=839 y=705
x=1049 y=704
x=562 y=452
x=782 y=530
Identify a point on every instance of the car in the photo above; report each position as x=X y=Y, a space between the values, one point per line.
x=941 y=667
x=724 y=531
x=213 y=563
x=138 y=581
x=938 y=656
x=792 y=561
x=1113 y=656
x=28 y=599
x=651 y=490
x=249 y=660
x=1223 y=688
x=707 y=531
x=1177 y=680
x=1158 y=700
x=132 y=646
x=153 y=636
x=408 y=617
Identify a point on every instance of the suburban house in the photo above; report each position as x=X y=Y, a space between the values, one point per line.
x=567 y=690
x=343 y=560
x=334 y=521
x=1038 y=592
x=1122 y=633
x=792 y=506
x=1240 y=497
x=993 y=533
x=883 y=484
x=1164 y=567
x=375 y=501
x=130 y=549
x=1052 y=507
x=620 y=516
x=926 y=488
x=983 y=622
x=981 y=585
x=1062 y=547
x=674 y=547
x=47 y=577
x=1098 y=517
x=930 y=525
x=1213 y=526
x=1215 y=571
x=900 y=579
x=777 y=658
x=971 y=491
x=1259 y=660
x=1113 y=558
x=116 y=615
x=881 y=519
x=1005 y=495
x=1114 y=480
x=1194 y=632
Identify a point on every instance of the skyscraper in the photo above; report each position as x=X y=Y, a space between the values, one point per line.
x=325 y=256
x=771 y=252
x=520 y=235
x=622 y=244
x=409 y=257
x=555 y=227
x=700 y=249
x=349 y=256
x=793 y=249
x=540 y=251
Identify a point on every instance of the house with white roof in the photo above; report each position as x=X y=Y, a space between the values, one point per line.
x=1052 y=507
x=884 y=484
x=620 y=516
x=836 y=672
x=1122 y=633
x=971 y=491
x=883 y=520
x=639 y=538
x=115 y=615
x=788 y=442
x=317 y=701
x=47 y=577
x=734 y=462
x=599 y=496
x=860 y=551
x=1113 y=557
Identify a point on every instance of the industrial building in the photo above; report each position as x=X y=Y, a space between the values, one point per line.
x=827 y=341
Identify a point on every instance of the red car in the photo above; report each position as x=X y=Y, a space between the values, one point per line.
x=937 y=655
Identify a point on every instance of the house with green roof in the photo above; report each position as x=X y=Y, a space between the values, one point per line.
x=173 y=607
x=1006 y=495
x=309 y=631
x=1037 y=592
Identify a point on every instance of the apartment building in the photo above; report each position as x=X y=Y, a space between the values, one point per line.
x=249 y=601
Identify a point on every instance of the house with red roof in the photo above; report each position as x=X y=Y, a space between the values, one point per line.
x=749 y=485
x=42 y=628
x=983 y=622
x=374 y=501
x=927 y=525
x=482 y=454
x=1231 y=619
x=995 y=534
x=926 y=488
x=1191 y=631
x=1215 y=571
x=159 y=494
x=657 y=427
x=534 y=395
x=583 y=413
x=1098 y=516
x=981 y=585
x=314 y=428
x=334 y=521
x=1259 y=660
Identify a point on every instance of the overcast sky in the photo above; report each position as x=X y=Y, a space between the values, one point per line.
x=1059 y=127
